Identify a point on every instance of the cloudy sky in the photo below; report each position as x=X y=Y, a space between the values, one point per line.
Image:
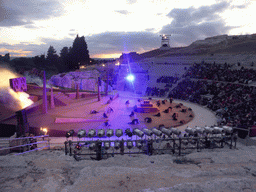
x=113 y=27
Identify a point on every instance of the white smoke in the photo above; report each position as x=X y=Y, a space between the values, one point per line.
x=9 y=98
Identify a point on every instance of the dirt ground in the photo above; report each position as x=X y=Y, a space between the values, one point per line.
x=209 y=170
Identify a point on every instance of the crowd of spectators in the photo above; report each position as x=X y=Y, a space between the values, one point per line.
x=154 y=91
x=233 y=103
x=221 y=88
x=221 y=72
x=167 y=79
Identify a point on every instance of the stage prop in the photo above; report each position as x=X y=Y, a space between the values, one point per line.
x=18 y=84
x=77 y=120
x=145 y=106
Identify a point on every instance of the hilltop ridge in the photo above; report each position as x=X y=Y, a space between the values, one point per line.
x=221 y=44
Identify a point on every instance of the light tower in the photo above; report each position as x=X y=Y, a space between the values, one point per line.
x=165 y=45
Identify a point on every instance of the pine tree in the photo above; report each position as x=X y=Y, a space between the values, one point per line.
x=52 y=58
x=79 y=52
x=64 y=59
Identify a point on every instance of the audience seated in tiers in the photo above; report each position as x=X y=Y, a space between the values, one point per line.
x=154 y=91
x=222 y=88
x=234 y=103
x=221 y=72
x=167 y=79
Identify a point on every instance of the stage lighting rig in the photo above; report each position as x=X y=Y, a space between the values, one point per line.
x=70 y=133
x=129 y=144
x=167 y=132
x=78 y=146
x=101 y=132
x=119 y=132
x=106 y=145
x=208 y=130
x=91 y=133
x=218 y=130
x=81 y=133
x=228 y=129
x=200 y=130
x=190 y=131
x=110 y=132
x=138 y=132
x=176 y=131
x=157 y=132
x=128 y=132
x=139 y=144
x=117 y=145
x=148 y=132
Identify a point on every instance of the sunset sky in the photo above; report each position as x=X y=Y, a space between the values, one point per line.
x=113 y=27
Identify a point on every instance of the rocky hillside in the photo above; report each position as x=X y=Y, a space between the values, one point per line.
x=223 y=44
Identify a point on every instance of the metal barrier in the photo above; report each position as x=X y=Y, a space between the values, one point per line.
x=178 y=143
x=248 y=130
x=26 y=143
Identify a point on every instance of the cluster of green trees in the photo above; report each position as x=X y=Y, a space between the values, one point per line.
x=70 y=59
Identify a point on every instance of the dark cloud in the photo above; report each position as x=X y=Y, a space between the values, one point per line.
x=189 y=25
x=104 y=43
x=118 y=42
x=20 y=12
x=31 y=27
x=124 y=12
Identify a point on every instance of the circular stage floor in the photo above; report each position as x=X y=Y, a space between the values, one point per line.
x=118 y=119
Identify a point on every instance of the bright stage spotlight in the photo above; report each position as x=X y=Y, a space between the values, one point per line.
x=130 y=78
